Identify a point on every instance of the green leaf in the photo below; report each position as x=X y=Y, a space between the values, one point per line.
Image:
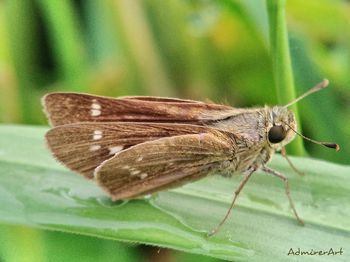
x=37 y=191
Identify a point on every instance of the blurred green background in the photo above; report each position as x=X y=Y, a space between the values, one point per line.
x=197 y=49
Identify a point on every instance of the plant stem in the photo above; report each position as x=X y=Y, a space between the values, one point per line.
x=281 y=63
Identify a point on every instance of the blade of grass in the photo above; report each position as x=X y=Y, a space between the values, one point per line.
x=101 y=33
x=189 y=60
x=306 y=74
x=21 y=27
x=281 y=63
x=72 y=247
x=9 y=104
x=142 y=47
x=67 y=41
x=36 y=191
x=20 y=243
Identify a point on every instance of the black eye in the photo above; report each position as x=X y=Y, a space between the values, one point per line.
x=276 y=134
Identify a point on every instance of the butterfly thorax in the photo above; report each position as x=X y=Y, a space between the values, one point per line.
x=260 y=132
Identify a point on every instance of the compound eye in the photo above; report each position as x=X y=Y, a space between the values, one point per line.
x=276 y=134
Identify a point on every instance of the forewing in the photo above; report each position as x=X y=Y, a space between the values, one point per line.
x=67 y=108
x=164 y=163
x=82 y=147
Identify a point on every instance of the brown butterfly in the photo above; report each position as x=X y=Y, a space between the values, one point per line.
x=133 y=146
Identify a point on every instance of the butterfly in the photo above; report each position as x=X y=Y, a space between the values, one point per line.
x=136 y=145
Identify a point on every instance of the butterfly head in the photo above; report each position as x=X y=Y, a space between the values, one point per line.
x=281 y=127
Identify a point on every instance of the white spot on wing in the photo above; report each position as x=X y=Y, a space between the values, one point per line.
x=143 y=175
x=115 y=149
x=126 y=167
x=94 y=148
x=134 y=172
x=95 y=112
x=95 y=104
x=95 y=108
x=97 y=134
x=139 y=159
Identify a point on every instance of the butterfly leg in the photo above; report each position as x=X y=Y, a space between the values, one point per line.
x=286 y=184
x=247 y=175
x=284 y=154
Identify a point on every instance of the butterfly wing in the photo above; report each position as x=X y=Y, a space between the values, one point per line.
x=165 y=163
x=84 y=146
x=67 y=108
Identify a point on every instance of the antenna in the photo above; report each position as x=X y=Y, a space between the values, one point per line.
x=326 y=144
x=316 y=88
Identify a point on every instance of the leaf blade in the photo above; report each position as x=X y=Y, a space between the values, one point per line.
x=37 y=191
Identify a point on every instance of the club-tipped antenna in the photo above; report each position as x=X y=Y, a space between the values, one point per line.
x=316 y=88
x=326 y=144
